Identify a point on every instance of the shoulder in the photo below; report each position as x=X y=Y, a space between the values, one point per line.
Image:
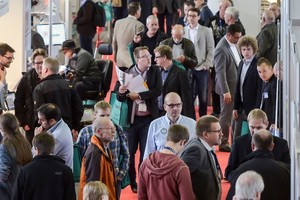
x=279 y=141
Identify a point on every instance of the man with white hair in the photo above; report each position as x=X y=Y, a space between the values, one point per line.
x=249 y=185
x=231 y=16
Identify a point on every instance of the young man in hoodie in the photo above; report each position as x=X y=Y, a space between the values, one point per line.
x=163 y=167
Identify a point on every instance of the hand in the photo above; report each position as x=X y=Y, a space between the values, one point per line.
x=227 y=98
x=122 y=89
x=133 y=96
x=3 y=74
x=181 y=58
x=119 y=178
x=235 y=114
x=26 y=128
x=154 y=11
x=75 y=135
x=179 y=12
x=38 y=130
x=137 y=38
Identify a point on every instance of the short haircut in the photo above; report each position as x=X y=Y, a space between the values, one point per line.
x=258 y=114
x=262 y=139
x=233 y=11
x=234 y=28
x=276 y=4
x=268 y=16
x=99 y=122
x=133 y=7
x=52 y=64
x=204 y=124
x=50 y=111
x=263 y=60
x=248 y=185
x=246 y=41
x=94 y=190
x=4 y=48
x=177 y=132
x=151 y=17
x=102 y=105
x=189 y=3
x=44 y=142
x=38 y=52
x=196 y=10
x=137 y=51
x=164 y=50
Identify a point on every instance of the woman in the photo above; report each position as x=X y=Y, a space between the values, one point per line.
x=15 y=152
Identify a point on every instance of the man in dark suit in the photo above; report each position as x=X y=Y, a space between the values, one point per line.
x=276 y=175
x=241 y=147
x=226 y=60
x=200 y=157
x=174 y=79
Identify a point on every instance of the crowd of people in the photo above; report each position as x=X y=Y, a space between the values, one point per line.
x=177 y=61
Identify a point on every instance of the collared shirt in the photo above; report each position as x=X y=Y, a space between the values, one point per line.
x=245 y=68
x=164 y=75
x=235 y=52
x=209 y=149
x=158 y=130
x=177 y=50
x=119 y=146
x=193 y=33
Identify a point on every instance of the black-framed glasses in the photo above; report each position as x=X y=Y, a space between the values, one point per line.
x=38 y=63
x=9 y=58
x=177 y=105
x=217 y=131
x=158 y=57
x=192 y=16
x=146 y=56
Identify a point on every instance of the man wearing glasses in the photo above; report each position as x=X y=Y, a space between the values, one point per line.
x=157 y=134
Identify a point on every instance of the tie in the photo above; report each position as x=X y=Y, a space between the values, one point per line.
x=219 y=171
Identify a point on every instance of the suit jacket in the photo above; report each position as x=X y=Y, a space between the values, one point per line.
x=162 y=5
x=251 y=89
x=276 y=175
x=205 y=181
x=241 y=148
x=124 y=31
x=177 y=81
x=188 y=51
x=226 y=68
x=204 y=46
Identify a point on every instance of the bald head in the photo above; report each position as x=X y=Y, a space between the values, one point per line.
x=172 y=96
x=262 y=139
x=268 y=17
x=177 y=33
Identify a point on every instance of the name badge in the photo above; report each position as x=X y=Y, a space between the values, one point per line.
x=265 y=95
x=142 y=107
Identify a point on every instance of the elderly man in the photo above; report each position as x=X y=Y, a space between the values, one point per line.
x=275 y=8
x=97 y=163
x=157 y=134
x=231 y=16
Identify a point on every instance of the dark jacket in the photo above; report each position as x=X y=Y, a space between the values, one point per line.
x=241 y=148
x=54 y=89
x=205 y=14
x=276 y=175
x=170 y=6
x=46 y=177
x=84 y=19
x=218 y=27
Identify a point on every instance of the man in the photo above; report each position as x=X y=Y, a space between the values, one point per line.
x=163 y=175
x=118 y=146
x=97 y=163
x=231 y=16
x=187 y=5
x=267 y=38
x=257 y=120
x=202 y=161
x=204 y=45
x=226 y=61
x=142 y=106
x=81 y=64
x=46 y=177
x=157 y=134
x=54 y=89
x=261 y=160
x=249 y=185
x=174 y=79
x=6 y=58
x=275 y=8
x=125 y=29
x=205 y=12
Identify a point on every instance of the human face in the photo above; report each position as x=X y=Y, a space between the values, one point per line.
x=152 y=26
x=186 y=9
x=107 y=132
x=177 y=33
x=6 y=59
x=159 y=59
x=193 y=18
x=214 y=135
x=257 y=124
x=247 y=52
x=227 y=18
x=173 y=107
x=37 y=64
x=265 y=72
x=222 y=7
x=102 y=113
x=44 y=71
x=275 y=9
x=44 y=122
x=234 y=38
x=68 y=53
x=144 y=60
x=138 y=13
x=198 y=3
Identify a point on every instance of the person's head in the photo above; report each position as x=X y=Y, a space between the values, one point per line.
x=163 y=53
x=95 y=190
x=231 y=15
x=68 y=48
x=264 y=69
x=248 y=46
x=249 y=185
x=267 y=17
x=187 y=5
x=234 y=33
x=43 y=143
x=208 y=128
x=222 y=7
x=152 y=24
x=134 y=9
x=177 y=33
x=257 y=120
x=104 y=129
x=102 y=109
x=198 y=3
x=193 y=16
x=173 y=105
x=9 y=125
x=262 y=139
x=179 y=135
x=50 y=66
x=6 y=55
x=278 y=69
x=37 y=59
x=275 y=8
x=142 y=58
x=48 y=115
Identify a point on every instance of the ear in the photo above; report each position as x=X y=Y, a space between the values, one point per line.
x=182 y=142
x=272 y=146
x=252 y=146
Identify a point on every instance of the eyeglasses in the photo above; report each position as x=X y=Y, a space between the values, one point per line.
x=177 y=105
x=237 y=37
x=192 y=16
x=38 y=63
x=112 y=130
x=9 y=58
x=217 y=131
x=158 y=57
x=108 y=115
x=146 y=56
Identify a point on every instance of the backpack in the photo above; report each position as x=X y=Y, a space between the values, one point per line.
x=99 y=16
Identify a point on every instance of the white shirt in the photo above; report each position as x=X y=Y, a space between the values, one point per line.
x=243 y=73
x=193 y=33
x=235 y=52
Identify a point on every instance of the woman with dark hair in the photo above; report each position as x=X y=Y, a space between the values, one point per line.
x=15 y=152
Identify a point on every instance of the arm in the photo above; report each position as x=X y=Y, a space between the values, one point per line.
x=19 y=186
x=88 y=11
x=38 y=99
x=190 y=59
x=92 y=165
x=156 y=85
x=186 y=95
x=150 y=143
x=124 y=165
x=220 y=67
x=265 y=41
x=20 y=102
x=142 y=187
x=69 y=189
x=185 y=184
x=77 y=110
x=192 y=158
x=84 y=61
x=232 y=162
x=210 y=46
x=6 y=163
x=114 y=43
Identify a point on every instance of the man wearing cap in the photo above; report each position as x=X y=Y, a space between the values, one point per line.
x=81 y=64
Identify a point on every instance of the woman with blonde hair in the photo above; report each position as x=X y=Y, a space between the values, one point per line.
x=95 y=190
x=15 y=151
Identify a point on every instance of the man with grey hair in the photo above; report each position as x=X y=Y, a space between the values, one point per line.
x=231 y=16
x=249 y=185
x=275 y=8
x=54 y=89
